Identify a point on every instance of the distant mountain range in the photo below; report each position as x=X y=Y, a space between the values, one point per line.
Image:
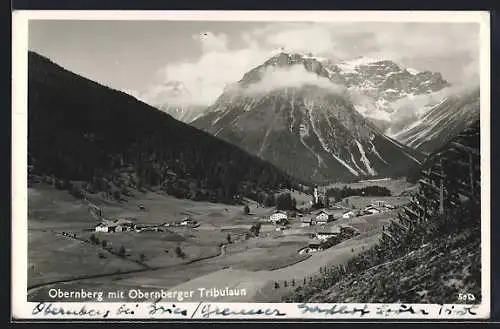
x=171 y=97
x=295 y=112
x=441 y=123
x=81 y=131
x=379 y=88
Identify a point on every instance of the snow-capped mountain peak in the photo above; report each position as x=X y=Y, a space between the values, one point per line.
x=351 y=66
x=306 y=127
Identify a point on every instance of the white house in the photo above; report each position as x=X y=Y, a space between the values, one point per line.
x=101 y=227
x=348 y=214
x=326 y=235
x=277 y=216
x=323 y=217
x=372 y=210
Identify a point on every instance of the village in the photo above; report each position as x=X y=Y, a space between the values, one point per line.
x=322 y=220
x=325 y=234
x=174 y=241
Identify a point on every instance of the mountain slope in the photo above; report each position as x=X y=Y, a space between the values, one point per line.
x=425 y=260
x=289 y=112
x=82 y=131
x=441 y=123
x=381 y=89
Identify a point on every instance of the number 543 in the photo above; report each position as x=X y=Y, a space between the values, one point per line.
x=468 y=297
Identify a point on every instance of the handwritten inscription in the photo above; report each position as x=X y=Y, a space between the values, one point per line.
x=391 y=310
x=460 y=310
x=208 y=310
x=216 y=310
x=83 y=310
x=334 y=309
x=126 y=310
x=156 y=309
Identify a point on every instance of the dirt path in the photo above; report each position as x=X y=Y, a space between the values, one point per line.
x=218 y=272
x=259 y=285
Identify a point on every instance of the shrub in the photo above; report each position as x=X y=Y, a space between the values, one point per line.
x=104 y=243
x=179 y=253
x=122 y=251
x=246 y=210
x=255 y=229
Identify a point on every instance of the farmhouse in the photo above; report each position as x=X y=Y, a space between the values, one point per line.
x=323 y=217
x=348 y=214
x=101 y=227
x=118 y=225
x=326 y=235
x=372 y=210
x=277 y=216
x=187 y=221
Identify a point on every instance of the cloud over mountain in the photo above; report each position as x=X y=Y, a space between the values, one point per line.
x=449 y=48
x=295 y=76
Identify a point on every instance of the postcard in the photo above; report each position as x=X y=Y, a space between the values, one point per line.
x=231 y=165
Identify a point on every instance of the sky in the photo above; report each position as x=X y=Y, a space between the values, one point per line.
x=139 y=57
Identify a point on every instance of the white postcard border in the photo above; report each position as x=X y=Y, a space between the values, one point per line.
x=22 y=309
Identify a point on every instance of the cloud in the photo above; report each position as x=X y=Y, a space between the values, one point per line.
x=410 y=108
x=295 y=76
x=449 y=48
x=217 y=67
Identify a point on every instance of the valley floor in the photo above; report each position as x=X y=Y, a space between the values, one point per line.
x=60 y=254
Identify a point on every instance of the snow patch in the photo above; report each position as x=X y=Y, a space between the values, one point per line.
x=412 y=71
x=360 y=61
x=308 y=106
x=356 y=164
x=365 y=160
x=374 y=150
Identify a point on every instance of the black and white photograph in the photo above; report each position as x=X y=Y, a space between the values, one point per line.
x=255 y=161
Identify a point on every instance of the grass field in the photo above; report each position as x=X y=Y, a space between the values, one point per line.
x=158 y=248
x=52 y=257
x=254 y=263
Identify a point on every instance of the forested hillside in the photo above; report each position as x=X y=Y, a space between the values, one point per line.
x=109 y=141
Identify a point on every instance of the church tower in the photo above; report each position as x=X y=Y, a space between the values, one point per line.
x=315 y=195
